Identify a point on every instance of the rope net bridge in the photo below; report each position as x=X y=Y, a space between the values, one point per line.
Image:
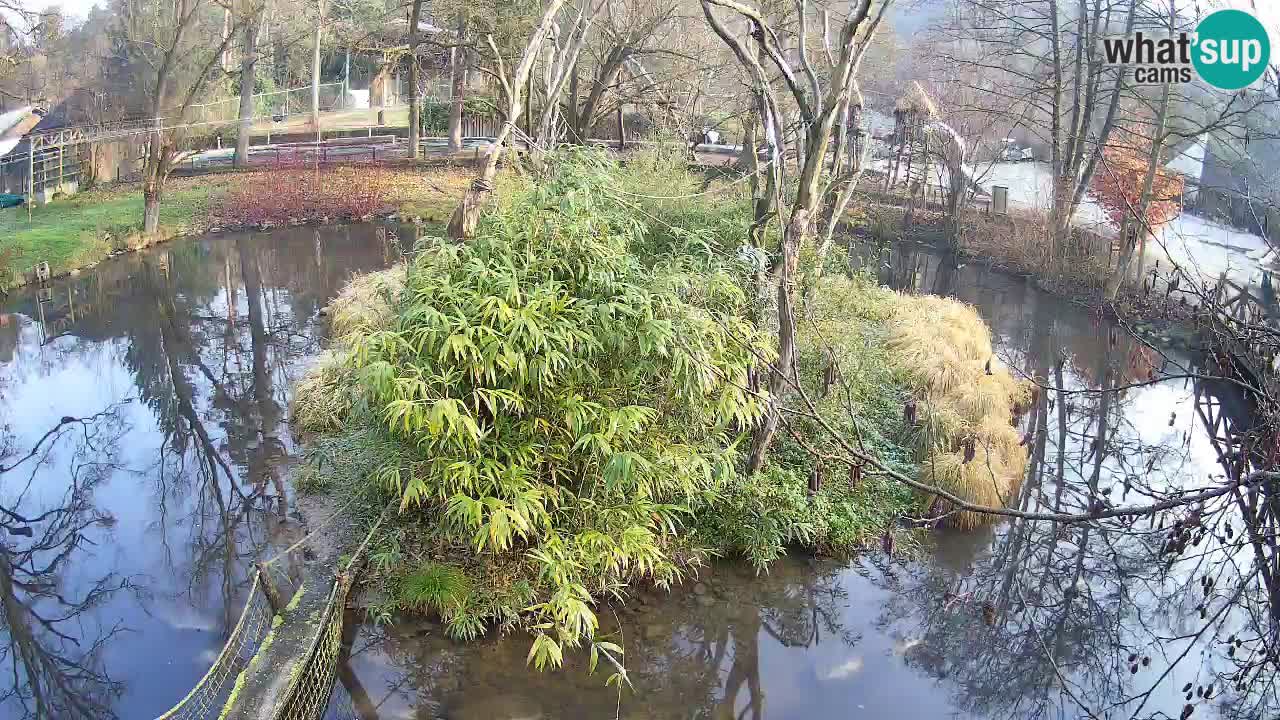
x=280 y=661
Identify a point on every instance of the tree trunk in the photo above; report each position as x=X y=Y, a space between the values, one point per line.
x=835 y=212
x=609 y=72
x=467 y=215
x=458 y=89
x=557 y=72
x=415 y=117
x=152 y=190
x=225 y=56
x=747 y=158
x=248 y=78
x=315 y=69
x=793 y=238
x=415 y=17
x=154 y=175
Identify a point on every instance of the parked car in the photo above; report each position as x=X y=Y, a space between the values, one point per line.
x=1016 y=153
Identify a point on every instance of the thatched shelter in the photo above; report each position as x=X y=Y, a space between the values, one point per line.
x=916 y=100
x=911 y=112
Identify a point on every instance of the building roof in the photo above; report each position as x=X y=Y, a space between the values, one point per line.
x=14 y=126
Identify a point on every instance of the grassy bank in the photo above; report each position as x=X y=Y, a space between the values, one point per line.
x=76 y=231
x=559 y=406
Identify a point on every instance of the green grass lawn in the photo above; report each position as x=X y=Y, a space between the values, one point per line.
x=73 y=231
x=338 y=120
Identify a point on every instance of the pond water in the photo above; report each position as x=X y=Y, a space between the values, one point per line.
x=179 y=362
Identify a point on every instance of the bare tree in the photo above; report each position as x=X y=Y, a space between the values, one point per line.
x=177 y=42
x=248 y=78
x=315 y=69
x=457 y=82
x=16 y=24
x=560 y=65
x=627 y=31
x=1040 y=59
x=415 y=35
x=467 y=214
x=819 y=111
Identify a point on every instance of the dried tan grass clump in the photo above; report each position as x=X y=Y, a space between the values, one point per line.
x=966 y=403
x=367 y=303
x=916 y=100
x=324 y=397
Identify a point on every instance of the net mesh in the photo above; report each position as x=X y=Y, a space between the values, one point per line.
x=311 y=680
x=312 y=683
x=214 y=689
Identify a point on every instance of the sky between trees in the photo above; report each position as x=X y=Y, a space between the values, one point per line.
x=1267 y=10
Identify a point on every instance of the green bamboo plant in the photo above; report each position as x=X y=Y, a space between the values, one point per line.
x=563 y=401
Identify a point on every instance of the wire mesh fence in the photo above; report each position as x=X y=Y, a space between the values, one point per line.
x=312 y=680
x=211 y=693
x=278 y=104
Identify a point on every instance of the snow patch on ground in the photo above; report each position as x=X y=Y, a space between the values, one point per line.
x=1204 y=247
x=1197 y=244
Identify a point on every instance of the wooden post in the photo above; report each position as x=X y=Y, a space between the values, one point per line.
x=622 y=138
x=31 y=176
x=269 y=588
x=60 y=168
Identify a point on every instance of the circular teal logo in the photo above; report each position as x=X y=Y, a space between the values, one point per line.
x=1232 y=49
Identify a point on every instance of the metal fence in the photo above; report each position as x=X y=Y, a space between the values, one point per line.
x=277 y=104
x=46 y=172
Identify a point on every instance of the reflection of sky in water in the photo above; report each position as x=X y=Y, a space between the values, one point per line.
x=156 y=328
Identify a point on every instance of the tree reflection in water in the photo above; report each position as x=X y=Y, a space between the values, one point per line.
x=208 y=334
x=1101 y=619
x=691 y=655
x=51 y=644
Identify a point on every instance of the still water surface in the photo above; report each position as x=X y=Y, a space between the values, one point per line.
x=181 y=358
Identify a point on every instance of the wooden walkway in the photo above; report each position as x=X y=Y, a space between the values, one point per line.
x=1252 y=324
